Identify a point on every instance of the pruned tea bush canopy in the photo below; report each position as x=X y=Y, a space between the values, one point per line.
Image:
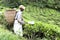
x=48 y=30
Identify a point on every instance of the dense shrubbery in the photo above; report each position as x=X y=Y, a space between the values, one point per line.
x=10 y=3
x=6 y=35
x=42 y=3
x=2 y=19
x=40 y=29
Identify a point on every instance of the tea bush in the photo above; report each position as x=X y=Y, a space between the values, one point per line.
x=47 y=15
x=48 y=30
x=2 y=20
x=6 y=35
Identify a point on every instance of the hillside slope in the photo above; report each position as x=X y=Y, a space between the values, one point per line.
x=49 y=20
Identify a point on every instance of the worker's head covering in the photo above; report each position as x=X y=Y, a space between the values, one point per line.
x=21 y=7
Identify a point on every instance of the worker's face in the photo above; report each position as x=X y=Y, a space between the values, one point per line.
x=21 y=9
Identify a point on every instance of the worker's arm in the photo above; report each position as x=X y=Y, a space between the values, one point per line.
x=21 y=21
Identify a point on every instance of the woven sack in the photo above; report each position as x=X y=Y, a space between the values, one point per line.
x=10 y=16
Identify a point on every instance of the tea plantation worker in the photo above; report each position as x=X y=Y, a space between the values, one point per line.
x=19 y=21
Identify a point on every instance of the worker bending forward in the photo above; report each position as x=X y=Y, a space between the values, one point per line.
x=19 y=21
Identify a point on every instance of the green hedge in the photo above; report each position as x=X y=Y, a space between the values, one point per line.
x=50 y=31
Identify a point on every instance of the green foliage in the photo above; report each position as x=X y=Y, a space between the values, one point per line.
x=6 y=35
x=50 y=31
x=47 y=15
x=2 y=19
x=50 y=25
x=10 y=3
x=40 y=3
